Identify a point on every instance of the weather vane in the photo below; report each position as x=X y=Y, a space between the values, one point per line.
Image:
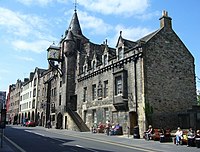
x=75 y=5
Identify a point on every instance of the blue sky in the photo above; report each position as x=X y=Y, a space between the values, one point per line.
x=28 y=27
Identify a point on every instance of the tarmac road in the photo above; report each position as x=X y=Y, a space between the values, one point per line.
x=43 y=139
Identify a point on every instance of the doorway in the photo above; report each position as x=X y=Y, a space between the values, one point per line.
x=59 y=121
x=132 y=121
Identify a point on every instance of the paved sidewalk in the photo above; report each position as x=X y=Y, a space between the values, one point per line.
x=154 y=146
x=5 y=147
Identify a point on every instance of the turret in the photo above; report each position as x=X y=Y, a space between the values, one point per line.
x=74 y=25
x=69 y=44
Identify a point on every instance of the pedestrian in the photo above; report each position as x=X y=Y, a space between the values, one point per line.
x=179 y=135
x=108 y=125
x=48 y=124
x=191 y=137
x=148 y=133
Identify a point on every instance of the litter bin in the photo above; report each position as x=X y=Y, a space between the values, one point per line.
x=136 y=133
x=197 y=142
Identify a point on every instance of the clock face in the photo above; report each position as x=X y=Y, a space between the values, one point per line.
x=54 y=54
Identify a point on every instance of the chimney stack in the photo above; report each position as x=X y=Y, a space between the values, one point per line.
x=165 y=20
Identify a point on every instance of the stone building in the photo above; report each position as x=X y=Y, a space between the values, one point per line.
x=137 y=83
x=148 y=81
x=2 y=99
x=15 y=93
x=46 y=97
x=29 y=96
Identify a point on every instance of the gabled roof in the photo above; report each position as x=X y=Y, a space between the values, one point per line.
x=127 y=43
x=149 y=36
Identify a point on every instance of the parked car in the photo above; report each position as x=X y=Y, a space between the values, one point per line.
x=30 y=123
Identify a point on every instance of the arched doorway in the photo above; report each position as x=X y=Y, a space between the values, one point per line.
x=42 y=119
x=22 y=118
x=29 y=115
x=19 y=120
x=38 y=119
x=15 y=121
x=32 y=115
x=59 y=121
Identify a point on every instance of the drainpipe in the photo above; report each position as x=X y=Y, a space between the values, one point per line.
x=136 y=97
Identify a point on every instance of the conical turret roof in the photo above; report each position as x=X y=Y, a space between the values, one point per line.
x=74 y=25
x=69 y=36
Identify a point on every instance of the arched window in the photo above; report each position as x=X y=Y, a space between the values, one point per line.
x=120 y=53
x=105 y=60
x=94 y=65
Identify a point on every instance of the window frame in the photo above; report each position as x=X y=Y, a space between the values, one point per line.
x=94 y=92
x=120 y=53
x=105 y=91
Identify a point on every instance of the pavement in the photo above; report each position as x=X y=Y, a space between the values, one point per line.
x=123 y=140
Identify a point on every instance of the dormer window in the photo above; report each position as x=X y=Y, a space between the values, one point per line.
x=120 y=53
x=105 y=60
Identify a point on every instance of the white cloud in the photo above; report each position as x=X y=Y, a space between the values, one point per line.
x=93 y=24
x=116 y=7
x=147 y=16
x=36 y=46
x=41 y=2
x=130 y=33
x=13 y=23
x=133 y=33
x=18 y=27
x=22 y=25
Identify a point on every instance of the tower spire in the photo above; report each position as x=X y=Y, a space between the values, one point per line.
x=74 y=24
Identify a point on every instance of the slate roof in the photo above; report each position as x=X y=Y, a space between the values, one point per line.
x=149 y=36
x=74 y=25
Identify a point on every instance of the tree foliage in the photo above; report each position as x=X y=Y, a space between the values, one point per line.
x=148 y=111
x=198 y=99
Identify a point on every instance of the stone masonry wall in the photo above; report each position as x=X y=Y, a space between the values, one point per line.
x=169 y=78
